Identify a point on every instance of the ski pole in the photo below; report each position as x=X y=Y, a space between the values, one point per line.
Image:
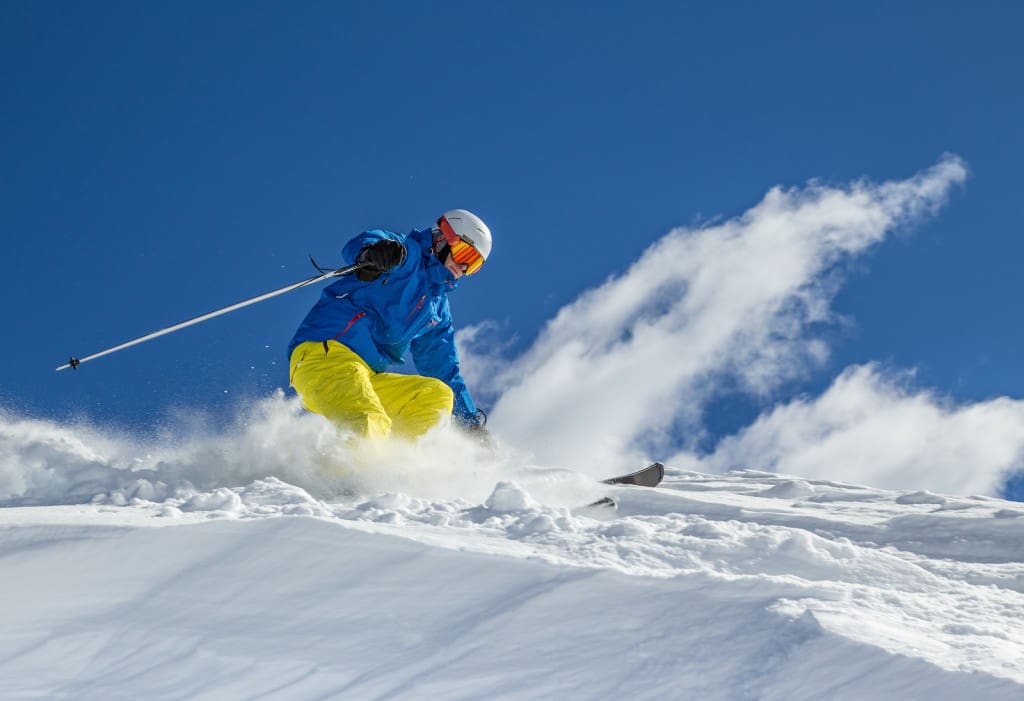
x=74 y=362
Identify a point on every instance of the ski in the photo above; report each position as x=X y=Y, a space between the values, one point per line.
x=650 y=476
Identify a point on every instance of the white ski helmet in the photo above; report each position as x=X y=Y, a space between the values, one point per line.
x=469 y=227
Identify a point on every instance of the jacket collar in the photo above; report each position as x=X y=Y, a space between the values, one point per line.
x=437 y=274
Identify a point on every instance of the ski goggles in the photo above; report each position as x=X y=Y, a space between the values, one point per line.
x=462 y=252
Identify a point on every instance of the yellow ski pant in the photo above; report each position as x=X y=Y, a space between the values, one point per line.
x=336 y=383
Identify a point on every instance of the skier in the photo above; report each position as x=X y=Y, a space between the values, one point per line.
x=397 y=302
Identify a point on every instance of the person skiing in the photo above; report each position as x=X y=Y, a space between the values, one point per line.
x=397 y=302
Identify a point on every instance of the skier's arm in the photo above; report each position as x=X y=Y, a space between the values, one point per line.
x=435 y=355
x=378 y=250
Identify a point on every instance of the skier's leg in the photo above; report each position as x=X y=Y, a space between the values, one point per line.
x=415 y=403
x=335 y=382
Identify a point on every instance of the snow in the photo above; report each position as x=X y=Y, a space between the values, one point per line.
x=273 y=560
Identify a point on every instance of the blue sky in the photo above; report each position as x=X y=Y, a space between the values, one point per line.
x=161 y=160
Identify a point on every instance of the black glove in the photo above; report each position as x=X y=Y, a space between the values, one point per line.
x=476 y=422
x=379 y=257
x=476 y=427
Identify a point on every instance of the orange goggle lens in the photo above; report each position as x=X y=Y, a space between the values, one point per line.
x=462 y=252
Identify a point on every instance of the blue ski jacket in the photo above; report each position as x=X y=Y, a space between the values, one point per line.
x=405 y=309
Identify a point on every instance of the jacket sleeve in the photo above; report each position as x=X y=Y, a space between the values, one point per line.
x=435 y=355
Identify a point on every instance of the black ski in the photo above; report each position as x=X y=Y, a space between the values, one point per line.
x=650 y=476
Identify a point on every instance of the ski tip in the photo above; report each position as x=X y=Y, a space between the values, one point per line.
x=602 y=505
x=649 y=476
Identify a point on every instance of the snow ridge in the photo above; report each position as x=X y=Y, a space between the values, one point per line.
x=146 y=576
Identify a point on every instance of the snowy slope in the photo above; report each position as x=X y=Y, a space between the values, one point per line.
x=179 y=571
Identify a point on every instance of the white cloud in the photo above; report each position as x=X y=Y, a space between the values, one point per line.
x=872 y=429
x=731 y=304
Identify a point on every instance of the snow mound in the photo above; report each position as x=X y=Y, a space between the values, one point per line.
x=508 y=497
x=922 y=497
x=222 y=499
x=789 y=489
